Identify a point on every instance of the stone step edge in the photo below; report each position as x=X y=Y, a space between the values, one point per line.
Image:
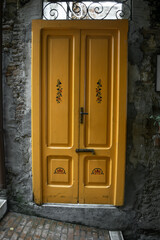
x=3 y=207
x=116 y=235
x=78 y=205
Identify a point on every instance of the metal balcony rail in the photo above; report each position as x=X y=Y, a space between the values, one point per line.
x=79 y=10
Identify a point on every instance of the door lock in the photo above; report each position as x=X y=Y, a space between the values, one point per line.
x=81 y=114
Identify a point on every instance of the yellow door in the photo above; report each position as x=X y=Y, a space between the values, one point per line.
x=98 y=86
x=60 y=119
x=79 y=111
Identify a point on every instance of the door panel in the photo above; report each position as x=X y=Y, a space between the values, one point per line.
x=60 y=116
x=59 y=64
x=98 y=89
x=59 y=175
x=97 y=171
x=99 y=49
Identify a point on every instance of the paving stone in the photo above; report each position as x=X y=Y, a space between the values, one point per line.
x=64 y=230
x=45 y=233
x=1 y=235
x=82 y=233
x=38 y=233
x=16 y=226
x=14 y=236
x=64 y=237
x=19 y=228
x=51 y=234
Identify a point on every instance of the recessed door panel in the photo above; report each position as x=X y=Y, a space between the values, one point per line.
x=96 y=180
x=97 y=172
x=98 y=90
x=60 y=170
x=59 y=88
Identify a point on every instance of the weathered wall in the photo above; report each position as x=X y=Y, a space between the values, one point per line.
x=141 y=212
x=17 y=96
x=143 y=165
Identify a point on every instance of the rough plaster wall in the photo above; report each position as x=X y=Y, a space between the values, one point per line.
x=141 y=212
x=17 y=97
x=143 y=166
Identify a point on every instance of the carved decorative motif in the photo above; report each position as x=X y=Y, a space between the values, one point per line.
x=59 y=91
x=59 y=170
x=99 y=91
x=97 y=171
x=117 y=9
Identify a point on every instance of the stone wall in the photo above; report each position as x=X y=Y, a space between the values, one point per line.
x=140 y=215
x=17 y=97
x=143 y=165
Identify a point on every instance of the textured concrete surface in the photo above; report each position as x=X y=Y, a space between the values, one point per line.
x=110 y=218
x=15 y=226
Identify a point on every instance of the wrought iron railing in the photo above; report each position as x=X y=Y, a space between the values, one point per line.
x=117 y=9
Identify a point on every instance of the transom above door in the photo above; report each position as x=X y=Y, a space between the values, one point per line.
x=79 y=111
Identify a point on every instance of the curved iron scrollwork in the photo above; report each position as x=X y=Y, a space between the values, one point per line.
x=118 y=9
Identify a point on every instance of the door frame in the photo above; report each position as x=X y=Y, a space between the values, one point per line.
x=122 y=27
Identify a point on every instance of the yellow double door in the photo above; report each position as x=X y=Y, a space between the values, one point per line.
x=82 y=111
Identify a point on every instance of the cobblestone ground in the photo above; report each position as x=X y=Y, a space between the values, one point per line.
x=15 y=226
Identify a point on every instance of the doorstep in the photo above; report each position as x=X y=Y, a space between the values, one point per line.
x=91 y=215
x=3 y=207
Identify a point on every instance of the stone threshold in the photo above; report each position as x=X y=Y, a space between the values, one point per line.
x=101 y=216
x=78 y=205
x=3 y=207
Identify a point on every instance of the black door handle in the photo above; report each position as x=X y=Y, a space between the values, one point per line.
x=81 y=114
x=81 y=150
